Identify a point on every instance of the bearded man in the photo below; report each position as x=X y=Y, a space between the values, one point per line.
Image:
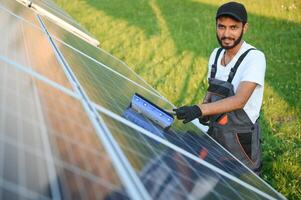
x=232 y=104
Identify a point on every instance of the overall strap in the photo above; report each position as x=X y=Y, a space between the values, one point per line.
x=214 y=66
x=234 y=69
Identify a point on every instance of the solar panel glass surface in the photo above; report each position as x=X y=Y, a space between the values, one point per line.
x=49 y=148
x=27 y=45
x=167 y=173
x=19 y=10
x=97 y=54
x=46 y=132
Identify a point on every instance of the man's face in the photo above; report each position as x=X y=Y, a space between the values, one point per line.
x=229 y=32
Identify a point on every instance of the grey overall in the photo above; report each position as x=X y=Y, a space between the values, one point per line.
x=234 y=130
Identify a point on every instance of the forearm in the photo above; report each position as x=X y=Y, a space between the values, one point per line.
x=238 y=101
x=222 y=106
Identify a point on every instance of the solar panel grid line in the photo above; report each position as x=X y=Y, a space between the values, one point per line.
x=15 y=46
x=104 y=90
x=77 y=182
x=64 y=24
x=112 y=70
x=21 y=155
x=180 y=150
x=133 y=184
x=54 y=185
x=173 y=164
x=126 y=65
x=137 y=153
x=107 y=54
x=12 y=75
x=85 y=174
x=58 y=162
x=183 y=188
x=20 y=158
x=2 y=114
x=80 y=145
x=15 y=188
x=35 y=74
x=22 y=19
x=117 y=59
x=81 y=173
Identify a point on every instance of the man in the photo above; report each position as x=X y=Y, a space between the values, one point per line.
x=236 y=79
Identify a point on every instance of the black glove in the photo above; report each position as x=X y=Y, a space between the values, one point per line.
x=204 y=120
x=188 y=113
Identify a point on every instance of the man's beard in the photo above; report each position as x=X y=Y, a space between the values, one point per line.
x=236 y=42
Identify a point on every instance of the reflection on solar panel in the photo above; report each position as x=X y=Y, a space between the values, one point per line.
x=66 y=131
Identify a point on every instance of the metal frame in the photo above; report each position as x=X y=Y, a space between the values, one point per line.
x=60 y=22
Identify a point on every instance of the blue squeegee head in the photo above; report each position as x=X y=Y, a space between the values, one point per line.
x=151 y=111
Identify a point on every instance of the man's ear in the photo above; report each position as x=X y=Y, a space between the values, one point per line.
x=246 y=26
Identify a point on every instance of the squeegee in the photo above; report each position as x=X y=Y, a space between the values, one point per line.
x=159 y=116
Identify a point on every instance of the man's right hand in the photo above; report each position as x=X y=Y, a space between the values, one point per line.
x=188 y=113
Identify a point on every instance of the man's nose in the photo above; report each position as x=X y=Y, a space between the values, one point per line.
x=227 y=32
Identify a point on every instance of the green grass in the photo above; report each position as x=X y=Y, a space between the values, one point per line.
x=168 y=43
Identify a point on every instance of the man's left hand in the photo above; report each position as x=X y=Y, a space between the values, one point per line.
x=188 y=113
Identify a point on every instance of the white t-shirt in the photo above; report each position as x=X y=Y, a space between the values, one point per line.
x=252 y=69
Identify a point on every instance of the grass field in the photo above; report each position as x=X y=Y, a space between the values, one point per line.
x=168 y=43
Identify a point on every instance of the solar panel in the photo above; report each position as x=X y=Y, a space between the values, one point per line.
x=51 y=7
x=20 y=44
x=93 y=53
x=166 y=172
x=67 y=132
x=48 y=155
x=19 y=11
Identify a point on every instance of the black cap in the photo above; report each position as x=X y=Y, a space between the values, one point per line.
x=234 y=10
